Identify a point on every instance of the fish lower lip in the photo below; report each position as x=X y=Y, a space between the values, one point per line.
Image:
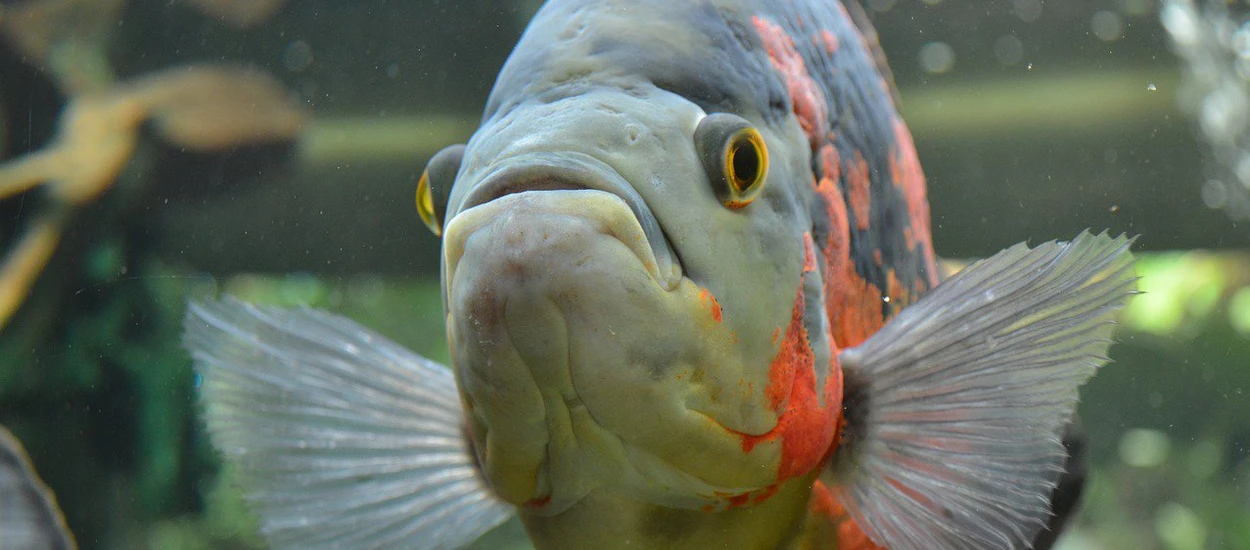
x=573 y=171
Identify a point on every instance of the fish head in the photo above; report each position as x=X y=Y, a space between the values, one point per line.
x=613 y=317
x=623 y=245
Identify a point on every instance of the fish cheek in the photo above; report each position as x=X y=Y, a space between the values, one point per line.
x=660 y=355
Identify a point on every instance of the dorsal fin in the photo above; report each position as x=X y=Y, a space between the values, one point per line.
x=871 y=40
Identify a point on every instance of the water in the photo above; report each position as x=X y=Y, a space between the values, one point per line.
x=1033 y=120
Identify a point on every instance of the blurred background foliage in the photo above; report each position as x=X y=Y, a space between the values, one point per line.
x=1033 y=120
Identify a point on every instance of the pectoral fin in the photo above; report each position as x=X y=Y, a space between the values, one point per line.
x=342 y=439
x=956 y=408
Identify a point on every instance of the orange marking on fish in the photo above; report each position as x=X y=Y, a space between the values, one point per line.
x=538 y=502
x=852 y=304
x=822 y=503
x=830 y=41
x=851 y=537
x=907 y=175
x=808 y=100
x=764 y=494
x=795 y=355
x=830 y=523
x=737 y=500
x=830 y=162
x=859 y=185
x=709 y=300
x=828 y=508
x=860 y=315
x=876 y=258
x=809 y=254
x=898 y=293
x=806 y=427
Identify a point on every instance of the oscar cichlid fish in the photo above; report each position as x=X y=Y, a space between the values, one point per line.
x=691 y=302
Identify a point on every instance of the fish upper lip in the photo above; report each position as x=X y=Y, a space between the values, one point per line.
x=573 y=171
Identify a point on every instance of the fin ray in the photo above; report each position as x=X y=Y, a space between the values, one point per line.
x=341 y=437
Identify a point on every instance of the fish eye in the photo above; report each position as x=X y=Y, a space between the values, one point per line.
x=434 y=187
x=735 y=157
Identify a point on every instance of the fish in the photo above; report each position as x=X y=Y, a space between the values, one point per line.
x=691 y=301
x=29 y=516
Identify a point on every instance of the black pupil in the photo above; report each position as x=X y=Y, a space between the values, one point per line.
x=746 y=162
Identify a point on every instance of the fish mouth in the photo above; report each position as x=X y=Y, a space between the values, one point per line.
x=571 y=171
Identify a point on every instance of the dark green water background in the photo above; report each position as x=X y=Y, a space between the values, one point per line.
x=1045 y=124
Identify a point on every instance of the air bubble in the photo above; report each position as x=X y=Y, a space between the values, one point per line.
x=1144 y=448
x=1027 y=10
x=1009 y=50
x=1107 y=25
x=297 y=56
x=937 y=57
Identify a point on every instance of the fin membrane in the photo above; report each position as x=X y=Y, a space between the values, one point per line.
x=958 y=405
x=341 y=438
x=29 y=516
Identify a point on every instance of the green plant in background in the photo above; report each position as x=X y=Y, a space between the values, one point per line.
x=97 y=387
x=114 y=374
x=224 y=524
x=1183 y=290
x=1167 y=422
